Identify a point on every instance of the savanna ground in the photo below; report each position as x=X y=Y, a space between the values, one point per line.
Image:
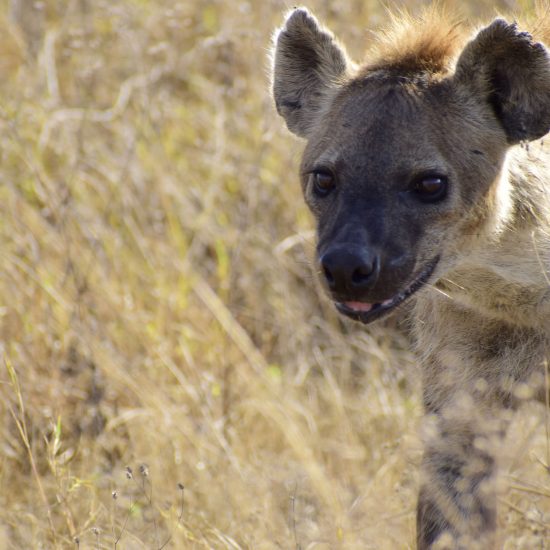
x=159 y=311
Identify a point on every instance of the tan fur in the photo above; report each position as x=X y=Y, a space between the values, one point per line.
x=427 y=100
x=429 y=41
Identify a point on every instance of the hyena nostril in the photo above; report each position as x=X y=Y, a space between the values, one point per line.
x=362 y=274
x=328 y=276
x=366 y=273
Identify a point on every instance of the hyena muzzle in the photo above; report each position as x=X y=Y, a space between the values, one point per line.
x=427 y=176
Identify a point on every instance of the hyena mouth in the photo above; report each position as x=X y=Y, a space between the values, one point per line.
x=366 y=313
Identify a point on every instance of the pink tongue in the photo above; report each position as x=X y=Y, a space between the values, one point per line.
x=359 y=306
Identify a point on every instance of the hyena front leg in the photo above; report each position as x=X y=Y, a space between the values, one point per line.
x=457 y=500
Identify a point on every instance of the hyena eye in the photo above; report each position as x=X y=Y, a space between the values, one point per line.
x=323 y=183
x=430 y=188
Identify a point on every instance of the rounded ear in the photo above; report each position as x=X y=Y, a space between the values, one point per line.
x=307 y=65
x=512 y=72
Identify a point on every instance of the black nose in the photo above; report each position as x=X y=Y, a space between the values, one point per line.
x=350 y=269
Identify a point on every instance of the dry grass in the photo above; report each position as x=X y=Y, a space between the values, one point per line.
x=158 y=307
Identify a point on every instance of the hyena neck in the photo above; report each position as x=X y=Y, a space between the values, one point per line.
x=507 y=273
x=529 y=177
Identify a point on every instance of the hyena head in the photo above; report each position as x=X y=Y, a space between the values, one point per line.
x=404 y=167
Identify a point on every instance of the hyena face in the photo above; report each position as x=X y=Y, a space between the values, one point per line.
x=390 y=187
x=404 y=155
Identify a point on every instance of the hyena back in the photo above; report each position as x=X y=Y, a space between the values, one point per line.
x=428 y=179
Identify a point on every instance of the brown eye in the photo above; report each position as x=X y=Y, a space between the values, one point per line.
x=431 y=188
x=323 y=183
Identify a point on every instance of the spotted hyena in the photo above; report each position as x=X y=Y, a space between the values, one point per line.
x=428 y=186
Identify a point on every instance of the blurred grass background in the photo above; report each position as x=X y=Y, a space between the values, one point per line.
x=158 y=310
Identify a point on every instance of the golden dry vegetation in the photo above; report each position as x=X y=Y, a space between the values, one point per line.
x=158 y=309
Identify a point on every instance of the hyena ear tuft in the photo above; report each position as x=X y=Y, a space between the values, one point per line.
x=308 y=65
x=512 y=71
